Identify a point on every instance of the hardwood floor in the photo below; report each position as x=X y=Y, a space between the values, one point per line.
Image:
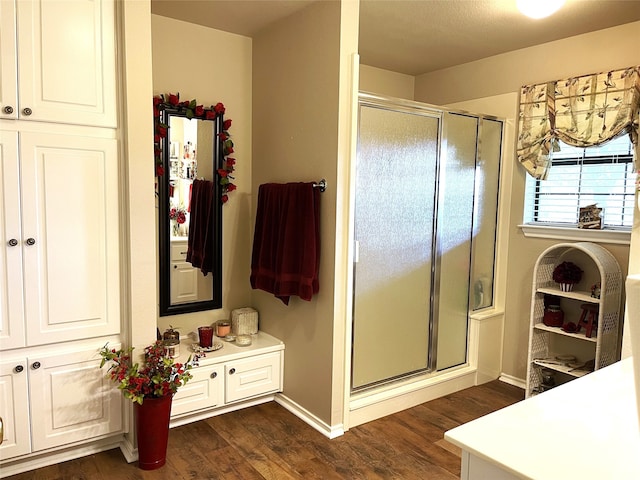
x=268 y=442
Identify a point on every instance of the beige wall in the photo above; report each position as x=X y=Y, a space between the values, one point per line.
x=610 y=48
x=213 y=66
x=296 y=113
x=587 y=55
x=386 y=83
x=139 y=244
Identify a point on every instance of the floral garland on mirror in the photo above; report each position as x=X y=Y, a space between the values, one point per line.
x=191 y=109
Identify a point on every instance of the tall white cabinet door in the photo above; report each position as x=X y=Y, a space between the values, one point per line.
x=14 y=409
x=66 y=61
x=8 y=65
x=12 y=333
x=71 y=399
x=70 y=232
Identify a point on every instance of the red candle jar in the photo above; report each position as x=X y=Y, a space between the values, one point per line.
x=553 y=316
x=205 y=335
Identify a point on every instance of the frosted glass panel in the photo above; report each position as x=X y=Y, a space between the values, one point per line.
x=485 y=216
x=455 y=222
x=394 y=203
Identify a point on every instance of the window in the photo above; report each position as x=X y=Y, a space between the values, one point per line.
x=579 y=177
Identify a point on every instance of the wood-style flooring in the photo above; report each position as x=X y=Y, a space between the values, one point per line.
x=268 y=442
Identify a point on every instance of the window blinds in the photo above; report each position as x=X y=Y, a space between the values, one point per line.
x=578 y=177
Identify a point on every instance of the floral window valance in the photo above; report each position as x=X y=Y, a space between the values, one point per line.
x=581 y=111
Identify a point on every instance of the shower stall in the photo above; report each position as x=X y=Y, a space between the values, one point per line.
x=425 y=215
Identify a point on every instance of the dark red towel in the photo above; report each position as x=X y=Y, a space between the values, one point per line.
x=286 y=240
x=200 y=242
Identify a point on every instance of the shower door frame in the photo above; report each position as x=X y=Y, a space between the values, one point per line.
x=414 y=107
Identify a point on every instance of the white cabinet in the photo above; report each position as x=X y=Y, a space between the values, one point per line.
x=59 y=228
x=204 y=390
x=63 y=54
x=70 y=399
x=184 y=278
x=61 y=238
x=14 y=409
x=252 y=376
x=8 y=60
x=230 y=378
x=549 y=347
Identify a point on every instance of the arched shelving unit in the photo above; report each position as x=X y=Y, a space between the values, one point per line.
x=547 y=343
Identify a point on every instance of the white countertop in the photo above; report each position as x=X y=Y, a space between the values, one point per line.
x=260 y=343
x=584 y=429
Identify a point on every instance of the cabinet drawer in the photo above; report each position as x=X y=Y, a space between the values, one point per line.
x=204 y=390
x=178 y=251
x=253 y=376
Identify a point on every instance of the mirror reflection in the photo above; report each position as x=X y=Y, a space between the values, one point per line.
x=189 y=215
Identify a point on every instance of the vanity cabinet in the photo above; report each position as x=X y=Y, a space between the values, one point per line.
x=550 y=346
x=58 y=61
x=59 y=274
x=230 y=378
x=70 y=398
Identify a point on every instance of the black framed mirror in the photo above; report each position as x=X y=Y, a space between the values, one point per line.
x=190 y=163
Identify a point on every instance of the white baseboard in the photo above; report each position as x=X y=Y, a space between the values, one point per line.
x=387 y=402
x=511 y=380
x=34 y=461
x=129 y=451
x=309 y=418
x=212 y=412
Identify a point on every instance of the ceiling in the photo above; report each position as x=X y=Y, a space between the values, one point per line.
x=419 y=36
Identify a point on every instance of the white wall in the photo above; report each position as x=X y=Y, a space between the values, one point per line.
x=589 y=53
x=214 y=66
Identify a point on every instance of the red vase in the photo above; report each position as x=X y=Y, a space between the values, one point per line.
x=152 y=427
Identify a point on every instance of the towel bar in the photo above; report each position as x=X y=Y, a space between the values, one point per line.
x=322 y=185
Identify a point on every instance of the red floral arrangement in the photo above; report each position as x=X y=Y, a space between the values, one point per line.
x=159 y=376
x=178 y=214
x=191 y=109
x=567 y=272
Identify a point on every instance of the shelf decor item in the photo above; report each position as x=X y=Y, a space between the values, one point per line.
x=244 y=321
x=151 y=388
x=567 y=274
x=553 y=316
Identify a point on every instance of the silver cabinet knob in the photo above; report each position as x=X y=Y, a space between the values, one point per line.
x=31 y=241
x=214 y=374
x=8 y=109
x=35 y=365
x=13 y=242
x=18 y=368
x=27 y=111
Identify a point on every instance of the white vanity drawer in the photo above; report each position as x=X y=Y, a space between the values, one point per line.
x=178 y=251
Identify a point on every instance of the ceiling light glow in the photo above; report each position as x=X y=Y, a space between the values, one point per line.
x=539 y=8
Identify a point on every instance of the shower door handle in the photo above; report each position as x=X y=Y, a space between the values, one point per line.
x=356 y=251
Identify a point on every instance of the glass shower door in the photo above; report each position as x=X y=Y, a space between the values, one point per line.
x=396 y=187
